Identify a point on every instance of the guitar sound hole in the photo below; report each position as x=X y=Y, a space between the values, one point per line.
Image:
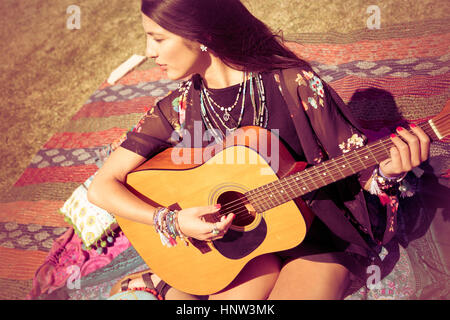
x=237 y=203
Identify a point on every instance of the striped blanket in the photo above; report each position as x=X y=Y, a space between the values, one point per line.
x=385 y=76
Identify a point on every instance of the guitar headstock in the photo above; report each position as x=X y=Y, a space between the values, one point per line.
x=440 y=124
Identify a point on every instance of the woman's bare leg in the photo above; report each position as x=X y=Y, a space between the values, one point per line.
x=302 y=279
x=254 y=282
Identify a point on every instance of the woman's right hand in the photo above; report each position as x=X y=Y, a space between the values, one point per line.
x=192 y=223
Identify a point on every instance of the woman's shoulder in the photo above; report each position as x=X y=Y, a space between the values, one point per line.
x=171 y=101
x=170 y=96
x=301 y=68
x=294 y=73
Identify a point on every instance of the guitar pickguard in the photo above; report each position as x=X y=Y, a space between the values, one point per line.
x=238 y=244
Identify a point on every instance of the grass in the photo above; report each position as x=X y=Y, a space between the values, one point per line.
x=48 y=71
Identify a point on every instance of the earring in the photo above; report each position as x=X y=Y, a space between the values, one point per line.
x=203 y=48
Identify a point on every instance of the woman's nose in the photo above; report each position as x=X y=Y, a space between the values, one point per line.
x=150 y=52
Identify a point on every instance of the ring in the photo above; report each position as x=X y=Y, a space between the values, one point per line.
x=215 y=231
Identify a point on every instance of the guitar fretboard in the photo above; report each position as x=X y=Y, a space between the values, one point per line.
x=278 y=192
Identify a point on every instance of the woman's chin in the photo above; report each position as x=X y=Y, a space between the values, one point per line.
x=176 y=76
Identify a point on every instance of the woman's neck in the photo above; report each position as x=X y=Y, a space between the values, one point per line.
x=218 y=75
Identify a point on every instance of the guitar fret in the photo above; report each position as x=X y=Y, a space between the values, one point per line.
x=289 y=186
x=327 y=174
x=381 y=152
x=311 y=178
x=334 y=161
x=371 y=153
x=387 y=151
x=288 y=190
x=276 y=193
x=315 y=169
x=355 y=152
x=283 y=192
x=255 y=204
x=366 y=158
x=304 y=187
x=263 y=199
x=348 y=165
x=270 y=196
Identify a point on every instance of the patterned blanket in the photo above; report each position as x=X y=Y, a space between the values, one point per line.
x=400 y=73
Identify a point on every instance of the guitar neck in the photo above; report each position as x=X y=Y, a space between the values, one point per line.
x=288 y=188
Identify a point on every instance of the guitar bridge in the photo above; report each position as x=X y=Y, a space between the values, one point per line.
x=202 y=246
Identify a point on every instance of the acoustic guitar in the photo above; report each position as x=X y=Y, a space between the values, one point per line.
x=252 y=175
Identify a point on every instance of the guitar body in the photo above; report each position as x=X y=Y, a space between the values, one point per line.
x=223 y=175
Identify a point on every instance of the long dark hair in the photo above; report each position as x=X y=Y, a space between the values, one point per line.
x=227 y=28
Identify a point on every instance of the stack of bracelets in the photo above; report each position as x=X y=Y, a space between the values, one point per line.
x=382 y=184
x=166 y=225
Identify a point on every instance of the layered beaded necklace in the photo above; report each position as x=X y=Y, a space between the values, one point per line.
x=260 y=117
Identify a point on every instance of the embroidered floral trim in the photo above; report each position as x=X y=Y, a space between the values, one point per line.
x=180 y=105
x=305 y=105
x=316 y=85
x=148 y=114
x=355 y=141
x=392 y=202
x=300 y=81
x=320 y=158
x=313 y=102
x=308 y=75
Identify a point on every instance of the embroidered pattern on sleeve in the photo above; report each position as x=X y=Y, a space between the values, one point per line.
x=354 y=142
x=180 y=105
x=313 y=82
x=148 y=114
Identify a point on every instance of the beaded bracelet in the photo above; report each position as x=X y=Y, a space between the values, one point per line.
x=166 y=225
x=380 y=183
x=177 y=226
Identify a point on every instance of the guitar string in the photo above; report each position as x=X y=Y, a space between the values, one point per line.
x=239 y=201
x=309 y=179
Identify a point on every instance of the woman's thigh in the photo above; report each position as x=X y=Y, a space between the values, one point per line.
x=254 y=282
x=302 y=279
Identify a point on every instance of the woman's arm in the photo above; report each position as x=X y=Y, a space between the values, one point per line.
x=108 y=191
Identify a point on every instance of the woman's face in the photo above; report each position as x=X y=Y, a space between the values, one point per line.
x=176 y=55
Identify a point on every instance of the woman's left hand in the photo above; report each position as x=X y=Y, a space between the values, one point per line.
x=408 y=152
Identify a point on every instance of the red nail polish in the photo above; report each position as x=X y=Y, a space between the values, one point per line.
x=218 y=206
x=412 y=125
x=399 y=129
x=393 y=136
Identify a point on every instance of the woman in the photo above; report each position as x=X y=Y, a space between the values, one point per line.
x=232 y=63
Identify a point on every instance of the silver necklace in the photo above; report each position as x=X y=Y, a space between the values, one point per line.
x=227 y=118
x=226 y=110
